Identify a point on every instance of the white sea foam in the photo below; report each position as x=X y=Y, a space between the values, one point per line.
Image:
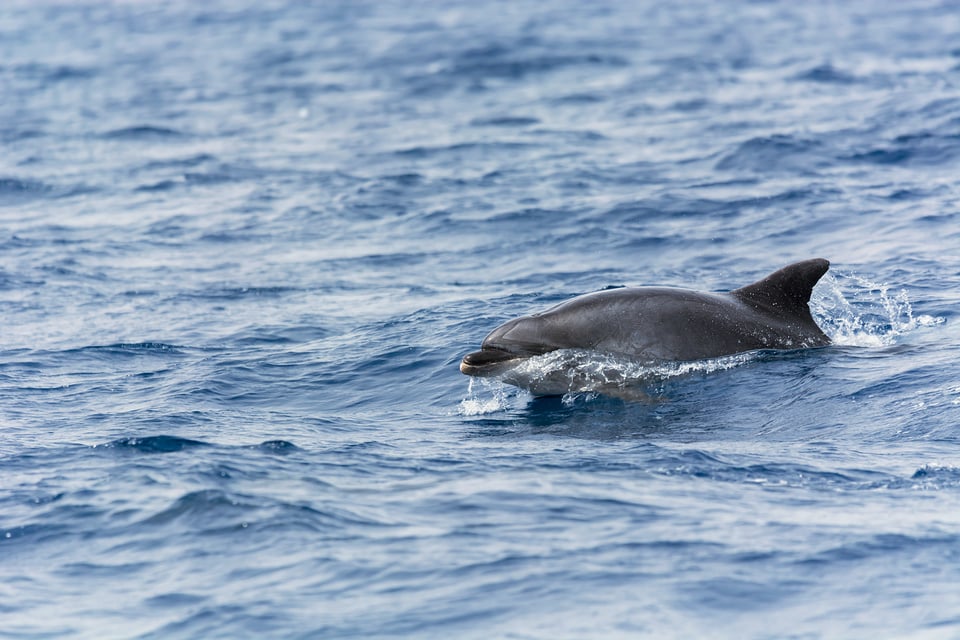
x=855 y=311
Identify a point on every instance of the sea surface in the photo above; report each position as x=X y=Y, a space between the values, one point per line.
x=244 y=245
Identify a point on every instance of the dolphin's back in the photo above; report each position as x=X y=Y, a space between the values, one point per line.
x=660 y=323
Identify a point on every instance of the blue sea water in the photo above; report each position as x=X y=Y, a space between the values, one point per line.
x=244 y=245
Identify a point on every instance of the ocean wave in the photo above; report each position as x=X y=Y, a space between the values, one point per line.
x=776 y=153
x=51 y=73
x=12 y=189
x=279 y=447
x=880 y=546
x=153 y=444
x=827 y=73
x=923 y=149
x=214 y=511
x=142 y=132
x=505 y=121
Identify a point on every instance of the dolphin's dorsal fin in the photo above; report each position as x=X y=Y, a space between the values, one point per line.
x=787 y=290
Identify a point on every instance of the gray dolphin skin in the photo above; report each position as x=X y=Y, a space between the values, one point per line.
x=661 y=324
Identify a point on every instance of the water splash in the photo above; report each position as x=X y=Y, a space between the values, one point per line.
x=582 y=371
x=485 y=396
x=857 y=312
x=579 y=374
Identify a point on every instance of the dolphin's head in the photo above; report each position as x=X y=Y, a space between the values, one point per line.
x=507 y=346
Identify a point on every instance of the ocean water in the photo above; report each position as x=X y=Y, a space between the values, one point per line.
x=244 y=245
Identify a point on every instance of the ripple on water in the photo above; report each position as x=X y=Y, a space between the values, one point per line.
x=243 y=246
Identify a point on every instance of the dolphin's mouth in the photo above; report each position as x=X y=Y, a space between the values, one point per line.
x=489 y=362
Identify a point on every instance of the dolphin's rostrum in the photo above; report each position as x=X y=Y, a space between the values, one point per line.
x=660 y=324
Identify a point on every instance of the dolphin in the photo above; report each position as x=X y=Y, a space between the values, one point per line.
x=660 y=324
